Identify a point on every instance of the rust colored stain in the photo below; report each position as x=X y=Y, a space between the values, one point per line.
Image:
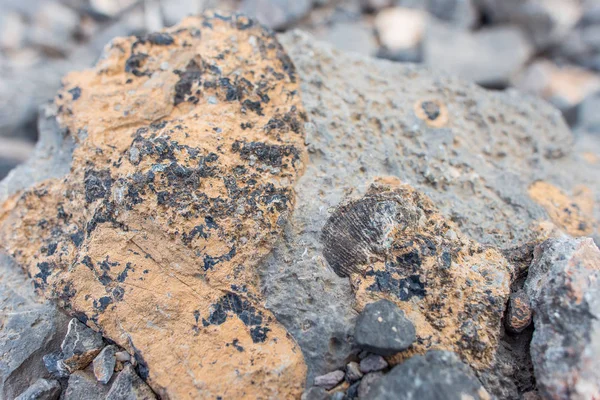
x=189 y=143
x=573 y=214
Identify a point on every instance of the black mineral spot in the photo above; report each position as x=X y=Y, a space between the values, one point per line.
x=183 y=88
x=431 y=109
x=77 y=238
x=160 y=38
x=75 y=92
x=134 y=63
x=46 y=269
x=97 y=184
x=102 y=303
x=253 y=106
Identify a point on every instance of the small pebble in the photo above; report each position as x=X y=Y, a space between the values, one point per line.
x=104 y=364
x=372 y=363
x=330 y=380
x=122 y=356
x=353 y=372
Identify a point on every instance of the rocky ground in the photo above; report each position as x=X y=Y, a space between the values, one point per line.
x=216 y=211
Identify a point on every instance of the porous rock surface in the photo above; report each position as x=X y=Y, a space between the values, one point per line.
x=434 y=376
x=500 y=167
x=564 y=287
x=188 y=145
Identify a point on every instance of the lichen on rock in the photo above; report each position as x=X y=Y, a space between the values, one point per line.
x=189 y=143
x=394 y=244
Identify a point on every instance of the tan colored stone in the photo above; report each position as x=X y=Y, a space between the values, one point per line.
x=573 y=214
x=189 y=144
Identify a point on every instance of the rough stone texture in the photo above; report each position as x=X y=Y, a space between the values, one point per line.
x=188 y=145
x=564 y=287
x=372 y=363
x=29 y=328
x=518 y=314
x=490 y=57
x=383 y=329
x=437 y=375
x=104 y=364
x=353 y=372
x=330 y=380
x=476 y=161
x=475 y=153
x=395 y=245
x=80 y=346
x=42 y=389
x=83 y=385
x=366 y=384
x=55 y=365
x=130 y=386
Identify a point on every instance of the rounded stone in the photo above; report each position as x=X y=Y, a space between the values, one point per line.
x=383 y=329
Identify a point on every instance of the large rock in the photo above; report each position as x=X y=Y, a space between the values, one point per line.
x=476 y=154
x=29 y=328
x=500 y=166
x=564 y=287
x=437 y=375
x=176 y=192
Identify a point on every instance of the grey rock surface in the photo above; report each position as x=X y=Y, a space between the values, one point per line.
x=104 y=364
x=80 y=345
x=55 y=365
x=330 y=380
x=477 y=162
x=489 y=57
x=276 y=14
x=545 y=21
x=29 y=328
x=366 y=384
x=42 y=389
x=372 y=363
x=382 y=328
x=588 y=118
x=353 y=372
x=128 y=385
x=564 y=287
x=437 y=375
x=83 y=385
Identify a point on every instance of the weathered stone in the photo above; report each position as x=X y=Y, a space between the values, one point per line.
x=83 y=385
x=122 y=356
x=383 y=329
x=276 y=14
x=104 y=364
x=353 y=372
x=564 y=287
x=518 y=314
x=436 y=375
x=128 y=385
x=42 y=389
x=366 y=384
x=212 y=183
x=330 y=380
x=80 y=346
x=490 y=57
x=29 y=329
x=372 y=363
x=55 y=365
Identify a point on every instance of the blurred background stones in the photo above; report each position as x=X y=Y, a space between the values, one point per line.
x=550 y=48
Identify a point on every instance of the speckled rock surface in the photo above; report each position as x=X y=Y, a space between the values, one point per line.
x=436 y=375
x=500 y=166
x=477 y=154
x=188 y=145
x=564 y=287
